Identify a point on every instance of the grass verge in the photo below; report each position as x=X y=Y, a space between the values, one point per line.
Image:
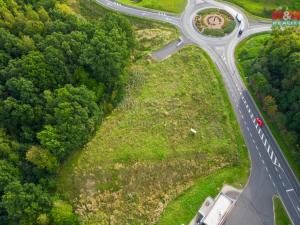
x=281 y=217
x=174 y=6
x=264 y=8
x=245 y=54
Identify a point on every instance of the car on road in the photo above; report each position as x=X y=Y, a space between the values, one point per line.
x=239 y=17
x=259 y=122
x=242 y=27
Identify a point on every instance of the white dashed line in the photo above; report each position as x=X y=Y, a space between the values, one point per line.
x=248 y=128
x=251 y=134
x=279 y=177
x=289 y=190
x=259 y=154
x=271 y=155
x=268 y=148
x=259 y=131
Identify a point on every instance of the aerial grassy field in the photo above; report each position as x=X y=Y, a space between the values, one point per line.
x=144 y=166
x=245 y=53
x=281 y=217
x=174 y=6
x=144 y=155
x=264 y=8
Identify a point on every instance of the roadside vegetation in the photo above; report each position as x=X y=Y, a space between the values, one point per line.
x=281 y=216
x=143 y=156
x=264 y=8
x=174 y=6
x=270 y=67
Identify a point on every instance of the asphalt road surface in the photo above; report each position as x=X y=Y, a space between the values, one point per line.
x=270 y=171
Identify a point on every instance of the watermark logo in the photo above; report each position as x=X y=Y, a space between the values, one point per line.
x=286 y=18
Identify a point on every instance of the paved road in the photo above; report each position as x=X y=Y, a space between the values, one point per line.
x=170 y=49
x=270 y=172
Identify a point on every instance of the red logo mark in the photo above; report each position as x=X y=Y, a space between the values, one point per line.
x=285 y=15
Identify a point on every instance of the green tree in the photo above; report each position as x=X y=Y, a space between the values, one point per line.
x=8 y=174
x=62 y=213
x=72 y=117
x=42 y=158
x=24 y=203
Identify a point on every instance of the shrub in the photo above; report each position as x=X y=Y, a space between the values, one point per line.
x=230 y=27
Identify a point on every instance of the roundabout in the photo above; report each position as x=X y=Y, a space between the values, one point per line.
x=214 y=22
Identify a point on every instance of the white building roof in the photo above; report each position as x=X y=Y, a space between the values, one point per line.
x=219 y=210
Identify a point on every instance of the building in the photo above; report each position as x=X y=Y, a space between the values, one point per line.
x=214 y=212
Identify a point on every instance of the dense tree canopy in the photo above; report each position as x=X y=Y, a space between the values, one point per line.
x=59 y=75
x=275 y=78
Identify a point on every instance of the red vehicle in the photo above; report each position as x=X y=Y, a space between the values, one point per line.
x=259 y=122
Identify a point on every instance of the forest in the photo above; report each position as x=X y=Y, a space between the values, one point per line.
x=59 y=76
x=275 y=79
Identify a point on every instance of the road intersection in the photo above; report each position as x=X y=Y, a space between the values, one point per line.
x=270 y=172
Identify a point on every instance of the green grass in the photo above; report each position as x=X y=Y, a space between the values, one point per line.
x=245 y=53
x=174 y=6
x=143 y=156
x=264 y=8
x=281 y=217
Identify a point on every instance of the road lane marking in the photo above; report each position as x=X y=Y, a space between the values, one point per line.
x=248 y=128
x=251 y=115
x=267 y=169
x=256 y=126
x=259 y=131
x=276 y=169
x=272 y=155
x=265 y=143
x=289 y=190
x=268 y=148
x=262 y=136
x=251 y=134
x=279 y=176
x=259 y=154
